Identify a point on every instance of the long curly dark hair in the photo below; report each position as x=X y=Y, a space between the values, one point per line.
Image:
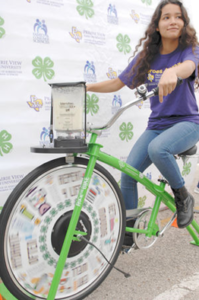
x=152 y=42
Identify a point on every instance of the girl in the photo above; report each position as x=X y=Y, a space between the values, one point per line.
x=170 y=50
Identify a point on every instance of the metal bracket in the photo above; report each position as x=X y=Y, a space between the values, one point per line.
x=70 y=158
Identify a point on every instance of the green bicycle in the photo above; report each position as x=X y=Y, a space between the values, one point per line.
x=62 y=228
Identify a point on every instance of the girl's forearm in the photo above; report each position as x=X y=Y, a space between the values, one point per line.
x=169 y=77
x=185 y=69
x=107 y=86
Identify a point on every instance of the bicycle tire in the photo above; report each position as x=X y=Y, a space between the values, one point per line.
x=29 y=243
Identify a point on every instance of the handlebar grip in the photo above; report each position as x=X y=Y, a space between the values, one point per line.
x=156 y=90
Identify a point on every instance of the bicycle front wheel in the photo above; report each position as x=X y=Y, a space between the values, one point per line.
x=34 y=222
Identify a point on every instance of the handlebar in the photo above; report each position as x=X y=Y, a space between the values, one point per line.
x=156 y=90
x=143 y=95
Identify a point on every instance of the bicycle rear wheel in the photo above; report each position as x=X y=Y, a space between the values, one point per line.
x=34 y=222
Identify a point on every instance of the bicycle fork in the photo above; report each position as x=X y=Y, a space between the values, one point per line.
x=72 y=234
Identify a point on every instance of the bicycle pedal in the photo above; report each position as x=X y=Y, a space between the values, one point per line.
x=128 y=249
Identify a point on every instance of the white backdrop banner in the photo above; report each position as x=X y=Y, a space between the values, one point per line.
x=69 y=41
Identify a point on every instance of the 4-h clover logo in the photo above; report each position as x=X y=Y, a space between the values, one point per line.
x=43 y=68
x=141 y=202
x=85 y=8
x=123 y=45
x=186 y=169
x=91 y=104
x=2 y=30
x=126 y=131
x=5 y=145
x=148 y=2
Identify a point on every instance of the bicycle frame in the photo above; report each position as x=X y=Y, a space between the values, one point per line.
x=158 y=191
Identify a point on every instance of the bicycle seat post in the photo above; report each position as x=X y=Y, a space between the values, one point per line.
x=186 y=154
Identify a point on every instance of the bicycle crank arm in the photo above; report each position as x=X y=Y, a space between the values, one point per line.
x=167 y=226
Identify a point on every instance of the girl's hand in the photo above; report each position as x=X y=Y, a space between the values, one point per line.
x=167 y=83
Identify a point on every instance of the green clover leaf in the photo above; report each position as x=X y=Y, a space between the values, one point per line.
x=37 y=62
x=123 y=43
x=60 y=206
x=126 y=131
x=42 y=239
x=43 y=68
x=5 y=145
x=46 y=255
x=53 y=212
x=43 y=248
x=48 y=63
x=73 y=264
x=51 y=261
x=148 y=2
x=91 y=104
x=141 y=202
x=85 y=8
x=186 y=169
x=126 y=39
x=80 y=260
x=2 y=30
x=47 y=220
x=44 y=229
x=120 y=38
x=1 y=21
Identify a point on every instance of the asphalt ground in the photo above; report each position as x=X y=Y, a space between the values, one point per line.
x=169 y=270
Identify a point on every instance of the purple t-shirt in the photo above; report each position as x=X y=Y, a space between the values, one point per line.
x=178 y=106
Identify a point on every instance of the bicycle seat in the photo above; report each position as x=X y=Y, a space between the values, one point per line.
x=190 y=151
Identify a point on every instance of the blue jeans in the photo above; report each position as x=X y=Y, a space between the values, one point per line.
x=158 y=147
